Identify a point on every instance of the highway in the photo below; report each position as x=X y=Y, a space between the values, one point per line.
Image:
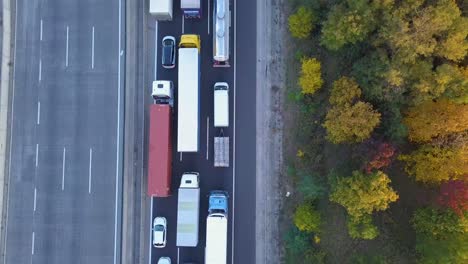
x=64 y=203
x=239 y=179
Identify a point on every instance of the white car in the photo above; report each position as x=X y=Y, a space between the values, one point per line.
x=164 y=260
x=159 y=233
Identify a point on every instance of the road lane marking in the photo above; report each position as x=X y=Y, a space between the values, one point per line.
x=32 y=243
x=183 y=24
x=117 y=167
x=40 y=70
x=37 y=154
x=180 y=156
x=155 y=50
x=63 y=168
x=66 y=50
x=92 y=50
x=90 y=168
x=151 y=228
x=38 y=112
x=35 y=197
x=178 y=254
x=234 y=138
x=40 y=37
x=207 y=137
x=208 y=17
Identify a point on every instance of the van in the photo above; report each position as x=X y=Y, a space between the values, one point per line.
x=221 y=104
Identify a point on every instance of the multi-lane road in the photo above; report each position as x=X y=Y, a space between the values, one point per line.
x=239 y=179
x=65 y=161
x=66 y=158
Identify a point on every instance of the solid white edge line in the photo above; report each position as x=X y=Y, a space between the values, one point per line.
x=66 y=50
x=183 y=22
x=207 y=137
x=155 y=50
x=40 y=35
x=178 y=254
x=117 y=168
x=38 y=112
x=234 y=140
x=63 y=167
x=11 y=131
x=92 y=49
x=90 y=169
x=180 y=156
x=40 y=70
x=35 y=197
x=33 y=238
x=151 y=228
x=208 y=17
x=37 y=154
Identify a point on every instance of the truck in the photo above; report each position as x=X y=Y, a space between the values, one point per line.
x=191 y=8
x=188 y=208
x=188 y=106
x=160 y=140
x=221 y=25
x=221 y=120
x=216 y=228
x=161 y=9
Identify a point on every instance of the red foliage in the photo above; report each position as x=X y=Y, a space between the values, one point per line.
x=454 y=194
x=382 y=158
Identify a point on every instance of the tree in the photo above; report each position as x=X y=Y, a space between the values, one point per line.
x=351 y=123
x=437 y=223
x=301 y=23
x=454 y=81
x=310 y=187
x=433 y=164
x=310 y=79
x=306 y=218
x=454 y=45
x=362 y=194
x=344 y=91
x=362 y=228
x=382 y=158
x=348 y=24
x=434 y=119
x=454 y=195
x=296 y=243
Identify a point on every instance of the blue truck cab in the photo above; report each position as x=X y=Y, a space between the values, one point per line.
x=218 y=202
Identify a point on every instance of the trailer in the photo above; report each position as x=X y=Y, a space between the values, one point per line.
x=161 y=9
x=221 y=151
x=188 y=121
x=221 y=25
x=188 y=208
x=191 y=8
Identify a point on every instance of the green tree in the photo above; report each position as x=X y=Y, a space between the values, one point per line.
x=362 y=194
x=296 y=243
x=306 y=218
x=310 y=187
x=362 y=228
x=344 y=91
x=351 y=124
x=433 y=164
x=301 y=23
x=438 y=223
x=454 y=44
x=310 y=79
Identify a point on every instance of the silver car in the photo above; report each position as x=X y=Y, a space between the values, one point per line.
x=159 y=232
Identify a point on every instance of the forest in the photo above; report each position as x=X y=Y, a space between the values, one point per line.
x=376 y=132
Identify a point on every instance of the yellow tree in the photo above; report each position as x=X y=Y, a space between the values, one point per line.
x=301 y=23
x=433 y=119
x=310 y=79
x=344 y=91
x=454 y=45
x=433 y=165
x=351 y=124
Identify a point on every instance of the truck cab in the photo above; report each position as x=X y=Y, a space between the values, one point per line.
x=162 y=92
x=190 y=41
x=218 y=202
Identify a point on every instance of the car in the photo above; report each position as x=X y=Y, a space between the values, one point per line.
x=159 y=232
x=164 y=260
x=168 y=52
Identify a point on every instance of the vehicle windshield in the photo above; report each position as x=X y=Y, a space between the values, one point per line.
x=159 y=228
x=167 y=42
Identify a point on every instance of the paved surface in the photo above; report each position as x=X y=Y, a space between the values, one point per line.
x=64 y=197
x=239 y=179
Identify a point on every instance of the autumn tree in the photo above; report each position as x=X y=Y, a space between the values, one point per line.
x=454 y=195
x=382 y=158
x=306 y=218
x=351 y=123
x=434 y=164
x=344 y=91
x=454 y=44
x=301 y=23
x=433 y=119
x=310 y=79
x=363 y=194
x=362 y=228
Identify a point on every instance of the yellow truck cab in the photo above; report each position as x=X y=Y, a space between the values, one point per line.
x=190 y=41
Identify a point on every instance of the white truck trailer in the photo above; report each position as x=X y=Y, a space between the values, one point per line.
x=216 y=228
x=221 y=25
x=161 y=9
x=221 y=120
x=188 y=122
x=188 y=210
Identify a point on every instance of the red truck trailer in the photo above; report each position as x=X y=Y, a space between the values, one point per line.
x=160 y=141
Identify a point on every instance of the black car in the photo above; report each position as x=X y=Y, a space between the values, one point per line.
x=168 y=52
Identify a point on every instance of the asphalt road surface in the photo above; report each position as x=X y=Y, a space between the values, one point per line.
x=65 y=161
x=239 y=178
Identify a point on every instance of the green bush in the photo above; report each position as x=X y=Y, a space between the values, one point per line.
x=306 y=218
x=362 y=228
x=310 y=187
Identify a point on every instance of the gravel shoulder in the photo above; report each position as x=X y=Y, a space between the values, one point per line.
x=269 y=131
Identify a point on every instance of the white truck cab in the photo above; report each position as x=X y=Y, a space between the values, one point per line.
x=221 y=104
